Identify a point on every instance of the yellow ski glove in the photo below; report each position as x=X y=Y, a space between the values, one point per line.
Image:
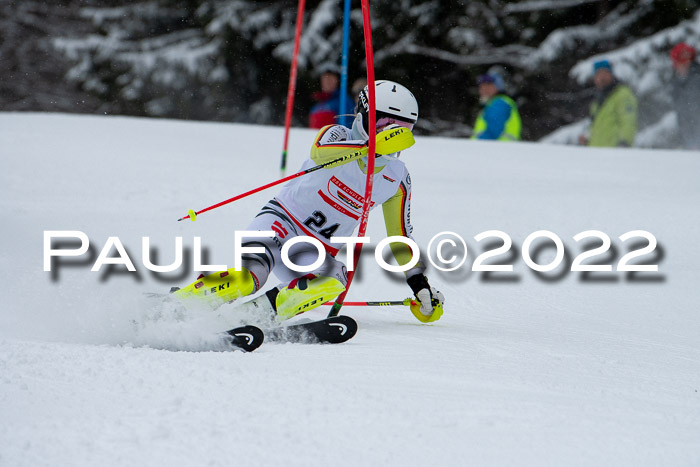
x=416 y=310
x=427 y=307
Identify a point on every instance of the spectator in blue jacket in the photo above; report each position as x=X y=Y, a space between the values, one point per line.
x=327 y=106
x=499 y=119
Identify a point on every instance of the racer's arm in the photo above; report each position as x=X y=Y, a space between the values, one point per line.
x=397 y=212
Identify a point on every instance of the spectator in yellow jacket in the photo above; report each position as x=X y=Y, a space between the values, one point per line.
x=613 y=112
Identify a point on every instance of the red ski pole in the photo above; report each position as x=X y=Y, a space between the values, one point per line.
x=193 y=215
x=404 y=302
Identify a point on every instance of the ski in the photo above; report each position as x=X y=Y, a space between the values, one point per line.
x=334 y=330
x=247 y=338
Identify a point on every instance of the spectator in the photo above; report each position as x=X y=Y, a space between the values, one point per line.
x=686 y=94
x=613 y=112
x=499 y=119
x=327 y=106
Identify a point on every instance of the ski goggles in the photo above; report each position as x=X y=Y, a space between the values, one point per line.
x=386 y=121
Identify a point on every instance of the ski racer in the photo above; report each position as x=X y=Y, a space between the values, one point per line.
x=328 y=203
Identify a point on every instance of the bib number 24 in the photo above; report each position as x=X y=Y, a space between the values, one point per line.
x=316 y=222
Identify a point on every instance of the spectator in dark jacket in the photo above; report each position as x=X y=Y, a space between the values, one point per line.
x=686 y=94
x=327 y=106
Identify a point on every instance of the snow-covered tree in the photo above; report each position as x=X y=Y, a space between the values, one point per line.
x=229 y=59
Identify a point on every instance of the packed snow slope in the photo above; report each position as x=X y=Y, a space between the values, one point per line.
x=524 y=368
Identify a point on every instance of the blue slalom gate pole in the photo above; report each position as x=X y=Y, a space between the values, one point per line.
x=344 y=64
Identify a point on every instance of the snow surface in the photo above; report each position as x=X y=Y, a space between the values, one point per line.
x=526 y=370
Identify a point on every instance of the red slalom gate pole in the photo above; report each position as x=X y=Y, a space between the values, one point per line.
x=291 y=90
x=335 y=310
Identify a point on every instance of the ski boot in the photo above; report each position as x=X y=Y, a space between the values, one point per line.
x=301 y=295
x=218 y=288
x=306 y=293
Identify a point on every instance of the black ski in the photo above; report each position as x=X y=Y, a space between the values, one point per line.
x=334 y=330
x=246 y=338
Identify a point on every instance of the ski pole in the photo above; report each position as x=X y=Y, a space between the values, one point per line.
x=405 y=302
x=191 y=214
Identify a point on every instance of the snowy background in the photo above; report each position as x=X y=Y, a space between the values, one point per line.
x=228 y=60
x=558 y=368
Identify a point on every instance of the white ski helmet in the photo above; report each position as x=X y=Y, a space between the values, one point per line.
x=393 y=101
